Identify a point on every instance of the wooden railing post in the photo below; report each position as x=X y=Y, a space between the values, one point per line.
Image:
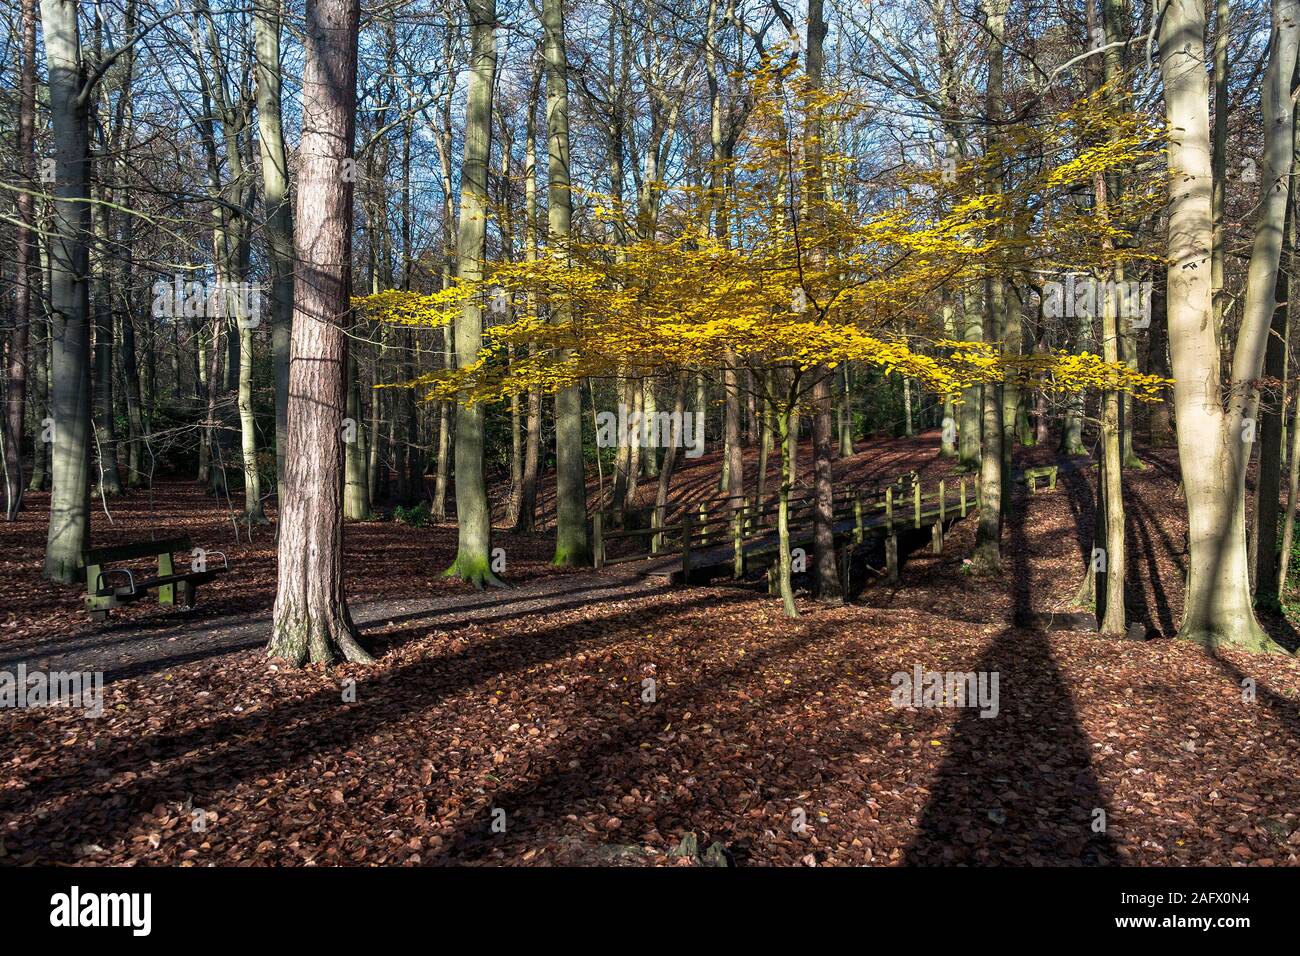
x=963 y=497
x=704 y=523
x=857 y=518
x=598 y=539
x=916 y=502
x=889 y=509
x=738 y=543
x=686 y=546
x=942 y=500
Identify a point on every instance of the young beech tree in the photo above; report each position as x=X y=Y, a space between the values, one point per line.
x=795 y=297
x=311 y=620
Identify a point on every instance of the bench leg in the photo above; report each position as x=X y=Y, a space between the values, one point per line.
x=166 y=593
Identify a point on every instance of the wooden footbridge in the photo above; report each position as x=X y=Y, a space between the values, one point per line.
x=697 y=543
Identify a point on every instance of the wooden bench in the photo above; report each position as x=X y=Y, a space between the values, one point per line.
x=1031 y=475
x=109 y=587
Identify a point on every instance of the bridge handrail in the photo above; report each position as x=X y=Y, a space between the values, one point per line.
x=900 y=499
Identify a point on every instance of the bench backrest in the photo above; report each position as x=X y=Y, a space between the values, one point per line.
x=137 y=549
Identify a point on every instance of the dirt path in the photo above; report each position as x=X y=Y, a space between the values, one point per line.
x=135 y=648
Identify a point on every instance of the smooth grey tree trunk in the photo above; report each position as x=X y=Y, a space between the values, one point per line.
x=277 y=207
x=69 y=528
x=1212 y=442
x=473 y=515
x=988 y=536
x=571 y=545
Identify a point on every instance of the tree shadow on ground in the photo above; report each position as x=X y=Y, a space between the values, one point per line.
x=1017 y=788
x=196 y=762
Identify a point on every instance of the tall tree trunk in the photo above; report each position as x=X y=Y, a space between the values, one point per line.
x=311 y=619
x=784 y=570
x=526 y=519
x=988 y=537
x=473 y=515
x=571 y=547
x=446 y=410
x=823 y=437
x=110 y=480
x=278 y=210
x=131 y=385
x=1112 y=611
x=1272 y=408
x=1211 y=445
x=69 y=528
x=26 y=268
x=40 y=352
x=1292 y=500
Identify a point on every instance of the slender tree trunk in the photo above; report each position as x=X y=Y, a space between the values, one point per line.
x=278 y=209
x=376 y=419
x=446 y=410
x=1110 y=597
x=311 y=619
x=846 y=413
x=1292 y=501
x=969 y=413
x=650 y=407
x=473 y=515
x=988 y=537
x=26 y=268
x=1272 y=408
x=110 y=480
x=1161 y=422
x=356 y=483
x=40 y=351
x=571 y=547
x=670 y=453
x=132 y=390
x=784 y=576
x=1112 y=610
x=1072 y=433
x=526 y=519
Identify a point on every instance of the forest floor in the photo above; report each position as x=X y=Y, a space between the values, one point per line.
x=524 y=707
